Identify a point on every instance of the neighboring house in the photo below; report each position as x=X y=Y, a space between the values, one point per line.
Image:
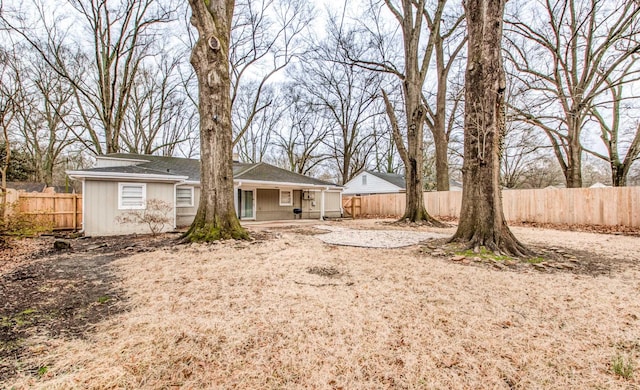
x=455 y=185
x=371 y=182
x=120 y=183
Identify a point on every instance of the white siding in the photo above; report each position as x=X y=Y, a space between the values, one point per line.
x=332 y=204
x=101 y=208
x=374 y=185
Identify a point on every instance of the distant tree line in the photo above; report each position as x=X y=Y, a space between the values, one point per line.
x=372 y=84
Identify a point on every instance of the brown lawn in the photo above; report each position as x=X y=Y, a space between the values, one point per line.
x=288 y=311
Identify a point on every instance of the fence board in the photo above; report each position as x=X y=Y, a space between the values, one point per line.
x=63 y=210
x=583 y=206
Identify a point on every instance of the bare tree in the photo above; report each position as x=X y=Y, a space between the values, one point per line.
x=45 y=128
x=11 y=95
x=567 y=53
x=449 y=42
x=255 y=142
x=120 y=37
x=347 y=95
x=482 y=222
x=159 y=114
x=300 y=139
x=385 y=154
x=522 y=148
x=414 y=18
x=621 y=138
x=216 y=217
x=264 y=40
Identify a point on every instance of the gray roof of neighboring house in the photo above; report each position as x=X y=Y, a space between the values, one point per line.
x=26 y=186
x=393 y=178
x=161 y=165
x=398 y=180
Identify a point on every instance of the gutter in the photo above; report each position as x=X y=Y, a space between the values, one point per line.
x=80 y=175
x=287 y=184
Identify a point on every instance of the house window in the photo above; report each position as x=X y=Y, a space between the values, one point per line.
x=184 y=197
x=286 y=197
x=364 y=180
x=132 y=196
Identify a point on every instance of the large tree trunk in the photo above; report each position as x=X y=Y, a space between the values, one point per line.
x=619 y=175
x=216 y=217
x=412 y=155
x=482 y=222
x=441 y=144
x=573 y=171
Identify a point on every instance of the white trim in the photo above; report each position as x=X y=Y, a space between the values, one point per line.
x=84 y=199
x=290 y=191
x=143 y=200
x=175 y=208
x=191 y=189
x=126 y=176
x=258 y=183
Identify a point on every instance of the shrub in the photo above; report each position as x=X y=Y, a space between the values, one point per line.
x=20 y=224
x=155 y=215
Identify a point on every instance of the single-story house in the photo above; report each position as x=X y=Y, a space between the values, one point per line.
x=372 y=182
x=121 y=183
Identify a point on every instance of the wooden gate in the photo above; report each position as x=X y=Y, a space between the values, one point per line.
x=352 y=206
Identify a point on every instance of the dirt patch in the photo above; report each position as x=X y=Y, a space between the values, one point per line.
x=551 y=259
x=58 y=294
x=323 y=271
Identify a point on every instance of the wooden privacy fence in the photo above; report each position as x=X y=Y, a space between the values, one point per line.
x=584 y=206
x=63 y=210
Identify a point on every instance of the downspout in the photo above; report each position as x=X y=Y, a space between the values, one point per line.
x=175 y=205
x=236 y=199
x=322 y=203
x=84 y=209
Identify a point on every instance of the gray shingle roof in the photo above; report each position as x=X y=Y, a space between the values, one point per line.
x=393 y=178
x=191 y=168
x=267 y=172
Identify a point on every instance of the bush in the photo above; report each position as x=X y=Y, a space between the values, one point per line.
x=21 y=224
x=155 y=215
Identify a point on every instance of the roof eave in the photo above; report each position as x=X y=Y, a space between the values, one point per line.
x=120 y=175
x=287 y=184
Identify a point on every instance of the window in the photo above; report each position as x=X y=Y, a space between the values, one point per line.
x=132 y=196
x=184 y=197
x=364 y=180
x=286 y=197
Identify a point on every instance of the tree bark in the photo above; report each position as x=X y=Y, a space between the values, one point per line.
x=216 y=217
x=482 y=222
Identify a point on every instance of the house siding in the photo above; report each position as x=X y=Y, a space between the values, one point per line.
x=268 y=205
x=186 y=215
x=332 y=204
x=374 y=185
x=101 y=208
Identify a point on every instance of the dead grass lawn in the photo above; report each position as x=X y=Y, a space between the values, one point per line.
x=291 y=312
